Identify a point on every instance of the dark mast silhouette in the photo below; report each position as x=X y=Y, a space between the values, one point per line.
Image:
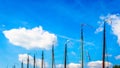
x=28 y=62
x=22 y=64
x=53 y=60
x=104 y=45
x=14 y=66
x=82 y=45
x=34 y=62
x=42 y=63
x=65 y=55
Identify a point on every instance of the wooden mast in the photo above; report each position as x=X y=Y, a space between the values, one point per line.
x=104 y=45
x=82 y=45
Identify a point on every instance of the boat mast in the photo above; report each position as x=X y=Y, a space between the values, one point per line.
x=53 y=56
x=82 y=45
x=22 y=64
x=65 y=61
x=28 y=62
x=14 y=66
x=104 y=45
x=42 y=59
x=34 y=61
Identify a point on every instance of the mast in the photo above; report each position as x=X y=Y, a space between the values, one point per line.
x=28 y=62
x=42 y=59
x=22 y=64
x=104 y=45
x=34 y=61
x=14 y=66
x=82 y=45
x=65 y=61
x=53 y=56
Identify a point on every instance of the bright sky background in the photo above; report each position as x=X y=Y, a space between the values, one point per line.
x=30 y=26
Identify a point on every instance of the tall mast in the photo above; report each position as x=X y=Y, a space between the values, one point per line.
x=65 y=61
x=14 y=66
x=42 y=59
x=82 y=45
x=104 y=46
x=22 y=64
x=34 y=61
x=53 y=56
x=28 y=62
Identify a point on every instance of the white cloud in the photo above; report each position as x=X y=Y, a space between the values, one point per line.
x=74 y=65
x=100 y=28
x=60 y=66
x=114 y=21
x=71 y=65
x=117 y=57
x=31 y=38
x=98 y=64
x=23 y=58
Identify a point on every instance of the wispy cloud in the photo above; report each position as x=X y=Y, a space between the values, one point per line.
x=68 y=38
x=73 y=53
x=117 y=57
x=108 y=55
x=31 y=38
x=76 y=40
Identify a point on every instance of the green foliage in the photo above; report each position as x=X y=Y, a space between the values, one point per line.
x=116 y=66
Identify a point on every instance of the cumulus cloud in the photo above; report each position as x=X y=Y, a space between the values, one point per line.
x=71 y=65
x=74 y=65
x=117 y=57
x=23 y=58
x=31 y=38
x=98 y=64
x=114 y=21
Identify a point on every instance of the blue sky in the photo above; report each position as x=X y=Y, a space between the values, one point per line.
x=62 y=18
